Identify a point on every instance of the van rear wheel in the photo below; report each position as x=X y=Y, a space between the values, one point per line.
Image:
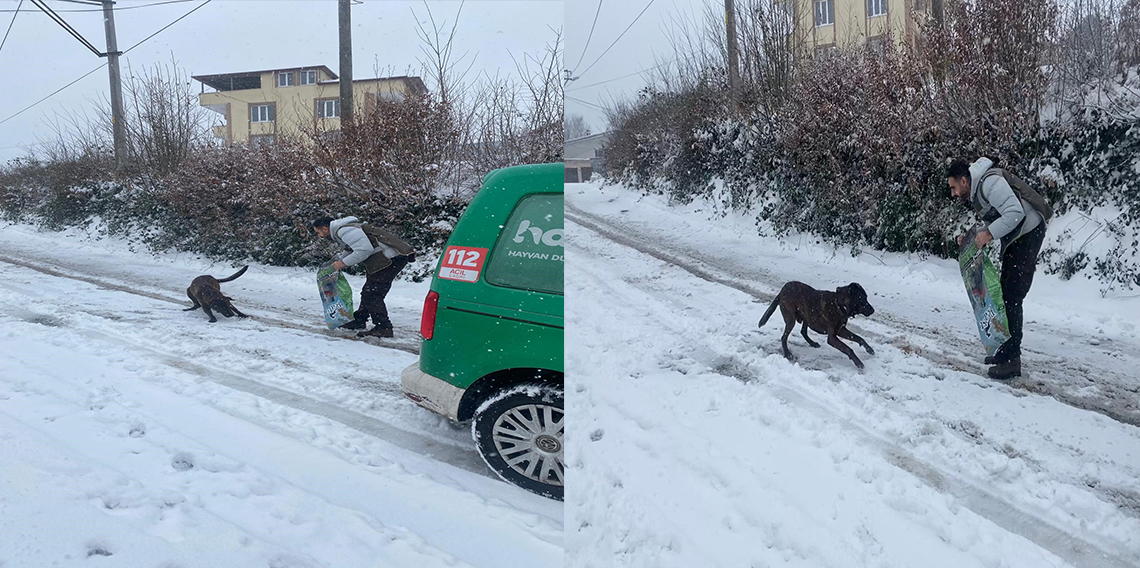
x=519 y=433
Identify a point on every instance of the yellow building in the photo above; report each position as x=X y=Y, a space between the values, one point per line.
x=822 y=25
x=260 y=106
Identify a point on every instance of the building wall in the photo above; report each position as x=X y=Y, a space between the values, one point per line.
x=296 y=106
x=584 y=148
x=852 y=25
x=578 y=171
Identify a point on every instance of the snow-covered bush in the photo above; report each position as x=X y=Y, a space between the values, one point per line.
x=257 y=203
x=857 y=148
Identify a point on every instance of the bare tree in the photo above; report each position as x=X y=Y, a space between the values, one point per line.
x=164 y=120
x=575 y=127
x=440 y=64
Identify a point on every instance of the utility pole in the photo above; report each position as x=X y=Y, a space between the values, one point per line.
x=345 y=62
x=733 y=56
x=118 y=124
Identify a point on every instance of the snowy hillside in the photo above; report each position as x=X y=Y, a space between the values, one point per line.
x=133 y=433
x=698 y=444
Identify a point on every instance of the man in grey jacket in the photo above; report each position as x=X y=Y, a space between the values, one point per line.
x=384 y=255
x=1021 y=230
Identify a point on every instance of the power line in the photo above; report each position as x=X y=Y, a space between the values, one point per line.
x=54 y=93
x=618 y=38
x=5 y=40
x=25 y=145
x=67 y=27
x=25 y=109
x=587 y=103
x=117 y=8
x=167 y=26
x=588 y=38
x=622 y=77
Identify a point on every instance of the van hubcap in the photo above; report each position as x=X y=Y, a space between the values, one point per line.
x=529 y=439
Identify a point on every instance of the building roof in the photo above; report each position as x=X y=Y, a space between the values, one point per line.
x=221 y=81
x=415 y=84
x=587 y=137
x=583 y=148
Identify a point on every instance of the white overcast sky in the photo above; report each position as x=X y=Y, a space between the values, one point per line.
x=634 y=52
x=234 y=35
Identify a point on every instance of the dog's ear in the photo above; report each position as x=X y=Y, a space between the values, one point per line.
x=843 y=297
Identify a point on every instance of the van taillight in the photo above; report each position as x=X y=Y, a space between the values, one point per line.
x=427 y=322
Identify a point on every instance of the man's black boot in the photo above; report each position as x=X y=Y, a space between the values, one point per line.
x=1007 y=370
x=376 y=332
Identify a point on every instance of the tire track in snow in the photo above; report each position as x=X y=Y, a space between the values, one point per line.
x=1125 y=412
x=1073 y=549
x=181 y=302
x=1033 y=526
x=462 y=457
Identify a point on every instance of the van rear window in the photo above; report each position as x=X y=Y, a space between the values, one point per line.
x=529 y=252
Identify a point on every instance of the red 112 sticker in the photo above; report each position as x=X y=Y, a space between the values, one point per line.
x=462 y=263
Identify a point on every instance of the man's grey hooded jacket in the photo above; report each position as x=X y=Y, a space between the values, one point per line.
x=350 y=233
x=1005 y=215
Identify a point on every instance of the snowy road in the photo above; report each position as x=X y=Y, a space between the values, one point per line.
x=136 y=434
x=691 y=418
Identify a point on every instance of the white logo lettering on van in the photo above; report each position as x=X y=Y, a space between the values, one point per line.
x=551 y=238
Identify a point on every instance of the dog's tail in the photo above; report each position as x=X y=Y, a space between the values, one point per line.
x=234 y=275
x=771 y=310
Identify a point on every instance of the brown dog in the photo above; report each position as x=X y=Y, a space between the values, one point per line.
x=206 y=293
x=824 y=312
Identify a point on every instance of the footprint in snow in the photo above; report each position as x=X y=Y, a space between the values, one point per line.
x=182 y=461
x=597 y=435
x=97 y=550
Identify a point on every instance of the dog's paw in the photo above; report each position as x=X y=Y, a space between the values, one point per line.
x=860 y=365
x=870 y=351
x=816 y=345
x=213 y=320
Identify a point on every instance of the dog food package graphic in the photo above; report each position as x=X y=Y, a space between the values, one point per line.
x=336 y=296
x=983 y=284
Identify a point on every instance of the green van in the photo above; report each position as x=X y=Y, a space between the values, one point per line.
x=492 y=327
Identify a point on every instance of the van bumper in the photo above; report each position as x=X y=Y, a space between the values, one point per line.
x=430 y=392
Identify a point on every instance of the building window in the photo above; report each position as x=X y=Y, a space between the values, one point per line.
x=876 y=8
x=285 y=79
x=308 y=77
x=824 y=12
x=262 y=113
x=262 y=140
x=329 y=108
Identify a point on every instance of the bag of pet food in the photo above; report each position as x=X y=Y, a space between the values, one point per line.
x=983 y=285
x=336 y=296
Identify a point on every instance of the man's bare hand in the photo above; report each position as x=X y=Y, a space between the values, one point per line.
x=983 y=238
x=338 y=265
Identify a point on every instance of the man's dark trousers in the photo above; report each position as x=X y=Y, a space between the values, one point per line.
x=376 y=287
x=1018 y=263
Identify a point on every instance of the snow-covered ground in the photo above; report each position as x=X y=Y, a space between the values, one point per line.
x=695 y=443
x=133 y=433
